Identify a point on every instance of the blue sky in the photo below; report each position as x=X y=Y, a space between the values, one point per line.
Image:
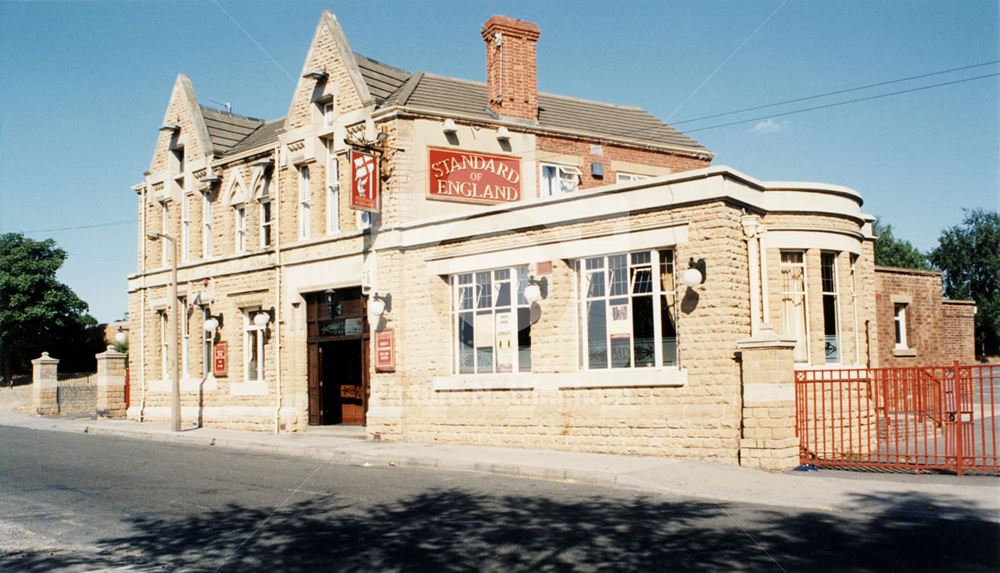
x=84 y=86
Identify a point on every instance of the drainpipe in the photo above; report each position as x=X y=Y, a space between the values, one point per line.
x=143 y=300
x=276 y=228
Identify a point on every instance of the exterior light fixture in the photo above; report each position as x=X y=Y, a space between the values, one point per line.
x=332 y=305
x=120 y=336
x=211 y=324
x=449 y=127
x=695 y=274
x=503 y=134
x=211 y=179
x=536 y=289
x=263 y=317
x=170 y=127
x=317 y=75
x=378 y=305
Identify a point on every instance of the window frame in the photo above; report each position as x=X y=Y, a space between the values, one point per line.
x=900 y=323
x=804 y=293
x=332 y=191
x=625 y=177
x=253 y=334
x=185 y=225
x=240 y=229
x=662 y=268
x=517 y=279
x=207 y=344
x=266 y=223
x=165 y=229
x=547 y=190
x=206 y=227
x=185 y=338
x=305 y=202
x=329 y=112
x=833 y=295
x=164 y=346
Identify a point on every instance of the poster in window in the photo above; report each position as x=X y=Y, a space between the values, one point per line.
x=504 y=339
x=364 y=182
x=353 y=326
x=619 y=325
x=484 y=330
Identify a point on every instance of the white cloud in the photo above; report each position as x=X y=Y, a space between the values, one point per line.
x=770 y=126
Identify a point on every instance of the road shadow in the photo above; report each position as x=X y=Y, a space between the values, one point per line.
x=455 y=530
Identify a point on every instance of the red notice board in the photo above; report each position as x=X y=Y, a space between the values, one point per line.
x=385 y=351
x=220 y=358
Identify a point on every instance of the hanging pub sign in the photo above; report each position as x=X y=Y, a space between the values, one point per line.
x=219 y=359
x=469 y=177
x=364 y=182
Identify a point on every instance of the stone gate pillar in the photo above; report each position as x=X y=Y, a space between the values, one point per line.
x=45 y=385
x=111 y=383
x=768 y=438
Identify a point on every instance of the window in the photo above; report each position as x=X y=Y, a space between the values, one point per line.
x=328 y=114
x=185 y=339
x=206 y=227
x=164 y=347
x=492 y=327
x=253 y=348
x=558 y=179
x=793 y=302
x=624 y=177
x=831 y=312
x=206 y=343
x=185 y=225
x=240 y=242
x=627 y=317
x=265 y=224
x=164 y=228
x=899 y=310
x=304 y=193
x=332 y=191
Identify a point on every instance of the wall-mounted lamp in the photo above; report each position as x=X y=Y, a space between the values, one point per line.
x=695 y=274
x=377 y=305
x=449 y=127
x=332 y=305
x=536 y=290
x=120 y=336
x=317 y=75
x=212 y=323
x=263 y=317
x=170 y=127
x=503 y=134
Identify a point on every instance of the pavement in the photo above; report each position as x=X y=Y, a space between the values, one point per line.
x=825 y=490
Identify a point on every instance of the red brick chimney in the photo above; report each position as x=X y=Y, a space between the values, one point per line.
x=511 y=78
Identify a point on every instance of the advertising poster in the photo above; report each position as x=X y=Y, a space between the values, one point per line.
x=364 y=182
x=504 y=339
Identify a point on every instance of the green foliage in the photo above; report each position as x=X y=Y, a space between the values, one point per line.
x=969 y=255
x=37 y=312
x=893 y=252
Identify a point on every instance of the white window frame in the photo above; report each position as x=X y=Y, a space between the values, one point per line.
x=253 y=335
x=165 y=229
x=900 y=310
x=626 y=177
x=562 y=173
x=835 y=294
x=266 y=223
x=185 y=338
x=305 y=209
x=206 y=344
x=329 y=113
x=164 y=347
x=206 y=227
x=240 y=238
x=802 y=344
x=185 y=226
x=332 y=191
x=469 y=297
x=661 y=266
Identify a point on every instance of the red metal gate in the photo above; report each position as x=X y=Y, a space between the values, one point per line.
x=918 y=418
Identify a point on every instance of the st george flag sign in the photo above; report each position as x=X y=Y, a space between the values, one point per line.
x=364 y=182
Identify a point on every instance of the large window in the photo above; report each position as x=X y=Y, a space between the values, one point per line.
x=253 y=348
x=831 y=311
x=558 y=179
x=304 y=202
x=492 y=321
x=793 y=302
x=332 y=192
x=627 y=310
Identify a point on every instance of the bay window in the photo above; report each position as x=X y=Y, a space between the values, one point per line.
x=627 y=310
x=492 y=321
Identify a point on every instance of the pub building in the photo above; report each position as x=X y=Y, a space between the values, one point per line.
x=442 y=260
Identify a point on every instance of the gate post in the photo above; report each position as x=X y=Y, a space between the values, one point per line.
x=768 y=438
x=45 y=385
x=111 y=383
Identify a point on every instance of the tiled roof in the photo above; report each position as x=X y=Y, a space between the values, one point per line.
x=381 y=79
x=227 y=129
x=266 y=134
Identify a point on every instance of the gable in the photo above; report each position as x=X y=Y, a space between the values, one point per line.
x=182 y=110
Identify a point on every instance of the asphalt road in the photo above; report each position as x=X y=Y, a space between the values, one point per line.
x=82 y=503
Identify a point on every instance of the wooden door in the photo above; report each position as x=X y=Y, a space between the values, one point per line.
x=315 y=387
x=351 y=381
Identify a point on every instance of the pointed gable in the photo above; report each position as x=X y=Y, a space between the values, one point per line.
x=182 y=110
x=329 y=52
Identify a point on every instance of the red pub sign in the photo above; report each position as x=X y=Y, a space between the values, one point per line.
x=470 y=177
x=385 y=351
x=364 y=182
x=219 y=355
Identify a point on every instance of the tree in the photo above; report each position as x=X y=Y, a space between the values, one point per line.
x=37 y=312
x=969 y=256
x=893 y=252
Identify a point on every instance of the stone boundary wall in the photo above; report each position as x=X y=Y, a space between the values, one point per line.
x=77 y=393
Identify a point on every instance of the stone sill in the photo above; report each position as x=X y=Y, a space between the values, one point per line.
x=187 y=385
x=613 y=378
x=904 y=351
x=258 y=388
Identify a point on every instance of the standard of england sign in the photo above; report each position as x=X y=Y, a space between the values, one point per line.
x=364 y=182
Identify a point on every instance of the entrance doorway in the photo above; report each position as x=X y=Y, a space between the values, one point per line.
x=338 y=357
